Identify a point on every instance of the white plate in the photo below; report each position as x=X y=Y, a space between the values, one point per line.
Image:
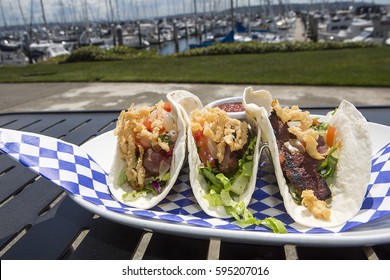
x=376 y=232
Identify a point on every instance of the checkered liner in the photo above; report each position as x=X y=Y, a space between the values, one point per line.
x=68 y=166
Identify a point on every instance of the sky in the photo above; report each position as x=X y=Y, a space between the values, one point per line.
x=19 y=12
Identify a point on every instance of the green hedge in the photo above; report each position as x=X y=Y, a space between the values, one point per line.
x=262 y=47
x=94 y=53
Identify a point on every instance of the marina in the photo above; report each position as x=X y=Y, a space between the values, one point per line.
x=190 y=24
x=68 y=68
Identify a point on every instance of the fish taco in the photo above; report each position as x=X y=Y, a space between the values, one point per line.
x=149 y=154
x=322 y=164
x=223 y=156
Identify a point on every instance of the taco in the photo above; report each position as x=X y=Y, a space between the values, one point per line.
x=149 y=154
x=223 y=156
x=322 y=165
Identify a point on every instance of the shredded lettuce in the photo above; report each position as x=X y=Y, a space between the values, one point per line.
x=165 y=177
x=154 y=185
x=214 y=198
x=208 y=173
x=122 y=178
x=320 y=127
x=239 y=185
x=245 y=218
x=225 y=191
x=328 y=166
x=134 y=195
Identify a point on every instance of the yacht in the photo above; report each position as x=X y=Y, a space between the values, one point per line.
x=45 y=49
x=11 y=52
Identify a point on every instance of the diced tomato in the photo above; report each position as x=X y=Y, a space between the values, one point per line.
x=330 y=134
x=148 y=125
x=203 y=150
x=167 y=106
x=198 y=135
x=202 y=142
x=315 y=122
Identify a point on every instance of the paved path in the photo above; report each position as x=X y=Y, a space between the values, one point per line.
x=299 y=31
x=117 y=96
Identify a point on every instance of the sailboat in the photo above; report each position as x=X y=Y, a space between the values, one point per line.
x=11 y=52
x=228 y=38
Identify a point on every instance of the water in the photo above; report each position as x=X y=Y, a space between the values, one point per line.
x=170 y=47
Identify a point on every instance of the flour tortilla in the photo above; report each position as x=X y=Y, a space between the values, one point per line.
x=199 y=185
x=178 y=157
x=353 y=170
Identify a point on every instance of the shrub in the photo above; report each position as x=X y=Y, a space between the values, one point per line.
x=89 y=53
x=94 y=53
x=262 y=47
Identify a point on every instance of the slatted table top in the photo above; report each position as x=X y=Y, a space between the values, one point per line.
x=39 y=221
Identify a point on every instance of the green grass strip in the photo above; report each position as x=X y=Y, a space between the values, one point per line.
x=343 y=67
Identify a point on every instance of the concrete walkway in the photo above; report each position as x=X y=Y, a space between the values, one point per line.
x=118 y=96
x=299 y=31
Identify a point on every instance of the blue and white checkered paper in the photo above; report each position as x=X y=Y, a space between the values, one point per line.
x=71 y=168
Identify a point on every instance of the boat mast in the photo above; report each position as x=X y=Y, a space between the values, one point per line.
x=232 y=13
x=73 y=13
x=43 y=15
x=31 y=16
x=156 y=8
x=11 y=14
x=61 y=11
x=108 y=14
x=111 y=10
x=85 y=9
x=22 y=14
x=2 y=13
x=195 y=11
x=117 y=11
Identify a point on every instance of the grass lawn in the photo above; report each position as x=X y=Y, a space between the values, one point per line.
x=346 y=67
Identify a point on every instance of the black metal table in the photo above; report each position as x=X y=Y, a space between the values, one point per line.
x=39 y=221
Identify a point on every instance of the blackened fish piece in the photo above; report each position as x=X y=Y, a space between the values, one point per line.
x=280 y=130
x=299 y=168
